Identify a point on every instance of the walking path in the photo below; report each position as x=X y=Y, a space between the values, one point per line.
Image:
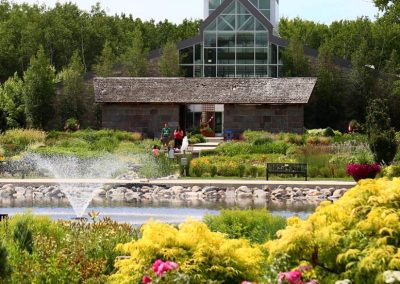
x=185 y=182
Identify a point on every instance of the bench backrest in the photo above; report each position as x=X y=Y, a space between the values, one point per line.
x=287 y=167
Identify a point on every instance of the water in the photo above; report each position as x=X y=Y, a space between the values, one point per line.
x=136 y=213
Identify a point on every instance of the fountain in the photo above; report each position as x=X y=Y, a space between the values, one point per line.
x=78 y=178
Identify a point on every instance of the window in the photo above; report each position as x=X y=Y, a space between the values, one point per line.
x=226 y=71
x=210 y=55
x=226 y=56
x=210 y=71
x=245 y=56
x=210 y=39
x=186 y=55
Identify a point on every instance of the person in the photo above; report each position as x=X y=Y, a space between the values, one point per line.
x=171 y=153
x=165 y=133
x=185 y=144
x=156 y=151
x=178 y=137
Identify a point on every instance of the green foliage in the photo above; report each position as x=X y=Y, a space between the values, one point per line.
x=241 y=148
x=73 y=88
x=39 y=90
x=381 y=137
x=391 y=171
x=12 y=102
x=71 y=124
x=168 y=64
x=65 y=251
x=134 y=60
x=22 y=235
x=105 y=63
x=196 y=138
x=355 y=238
x=258 y=226
x=5 y=269
x=17 y=140
x=296 y=63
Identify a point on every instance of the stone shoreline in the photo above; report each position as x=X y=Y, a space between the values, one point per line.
x=156 y=192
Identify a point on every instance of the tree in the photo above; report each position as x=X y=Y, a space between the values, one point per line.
x=105 y=62
x=168 y=64
x=39 y=90
x=5 y=268
x=381 y=136
x=73 y=88
x=12 y=102
x=134 y=60
x=296 y=63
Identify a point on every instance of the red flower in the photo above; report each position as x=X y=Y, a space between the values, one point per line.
x=363 y=171
x=146 y=279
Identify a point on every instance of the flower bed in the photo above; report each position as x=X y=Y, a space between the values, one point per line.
x=363 y=171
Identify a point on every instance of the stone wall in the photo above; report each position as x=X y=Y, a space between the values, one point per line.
x=148 y=119
x=273 y=118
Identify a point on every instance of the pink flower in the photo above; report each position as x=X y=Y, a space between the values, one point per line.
x=156 y=265
x=292 y=277
x=363 y=171
x=246 y=282
x=159 y=267
x=312 y=282
x=146 y=279
x=172 y=265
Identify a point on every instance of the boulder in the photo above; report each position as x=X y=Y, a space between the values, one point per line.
x=176 y=190
x=208 y=189
x=243 y=189
x=259 y=193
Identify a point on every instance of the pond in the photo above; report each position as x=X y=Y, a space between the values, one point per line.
x=136 y=213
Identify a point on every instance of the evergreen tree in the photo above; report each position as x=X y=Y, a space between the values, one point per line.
x=73 y=88
x=134 y=60
x=39 y=90
x=105 y=62
x=12 y=102
x=381 y=136
x=168 y=64
x=5 y=268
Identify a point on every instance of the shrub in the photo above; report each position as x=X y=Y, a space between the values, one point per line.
x=257 y=226
x=392 y=171
x=196 y=138
x=71 y=124
x=355 y=238
x=252 y=135
x=203 y=255
x=363 y=171
x=16 y=140
x=5 y=269
x=328 y=132
x=23 y=237
x=240 y=148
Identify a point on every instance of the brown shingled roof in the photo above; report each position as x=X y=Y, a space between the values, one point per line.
x=204 y=90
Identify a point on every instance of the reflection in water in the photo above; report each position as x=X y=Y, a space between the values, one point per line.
x=139 y=211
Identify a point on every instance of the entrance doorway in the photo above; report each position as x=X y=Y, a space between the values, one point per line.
x=200 y=115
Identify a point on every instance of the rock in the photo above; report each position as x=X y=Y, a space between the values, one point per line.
x=244 y=195
x=147 y=195
x=259 y=193
x=243 y=189
x=313 y=192
x=338 y=193
x=99 y=192
x=326 y=192
x=209 y=189
x=130 y=194
x=196 y=188
x=230 y=193
x=176 y=190
x=190 y=195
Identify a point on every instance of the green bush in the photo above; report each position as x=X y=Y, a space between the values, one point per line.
x=22 y=236
x=241 y=148
x=196 y=138
x=71 y=124
x=257 y=226
x=252 y=135
x=391 y=171
x=5 y=269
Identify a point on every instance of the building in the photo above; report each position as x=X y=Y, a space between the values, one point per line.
x=233 y=79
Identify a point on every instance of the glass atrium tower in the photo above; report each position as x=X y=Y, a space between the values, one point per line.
x=237 y=39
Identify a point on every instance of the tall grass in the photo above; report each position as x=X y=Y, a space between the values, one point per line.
x=15 y=141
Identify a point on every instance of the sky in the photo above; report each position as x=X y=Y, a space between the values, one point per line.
x=323 y=11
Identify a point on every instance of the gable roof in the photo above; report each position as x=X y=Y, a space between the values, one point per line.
x=204 y=90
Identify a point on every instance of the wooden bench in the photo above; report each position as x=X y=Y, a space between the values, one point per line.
x=287 y=168
x=3 y=217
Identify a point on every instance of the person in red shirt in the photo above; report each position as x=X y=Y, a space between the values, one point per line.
x=178 y=137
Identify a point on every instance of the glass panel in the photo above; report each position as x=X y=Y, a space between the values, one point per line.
x=210 y=71
x=210 y=11
x=245 y=23
x=210 y=55
x=262 y=56
x=259 y=26
x=245 y=39
x=226 y=23
x=264 y=4
x=226 y=39
x=230 y=10
x=273 y=54
x=212 y=26
x=262 y=70
x=186 y=55
x=281 y=50
x=198 y=55
x=226 y=56
x=198 y=71
x=187 y=71
x=245 y=71
x=266 y=13
x=210 y=39
x=262 y=39
x=244 y=56
x=274 y=71
x=213 y=4
x=240 y=9
x=226 y=71
x=280 y=72
x=254 y=2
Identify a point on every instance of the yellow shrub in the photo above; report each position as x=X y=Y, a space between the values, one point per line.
x=202 y=254
x=357 y=238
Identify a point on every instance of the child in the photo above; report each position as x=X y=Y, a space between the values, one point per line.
x=156 y=151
